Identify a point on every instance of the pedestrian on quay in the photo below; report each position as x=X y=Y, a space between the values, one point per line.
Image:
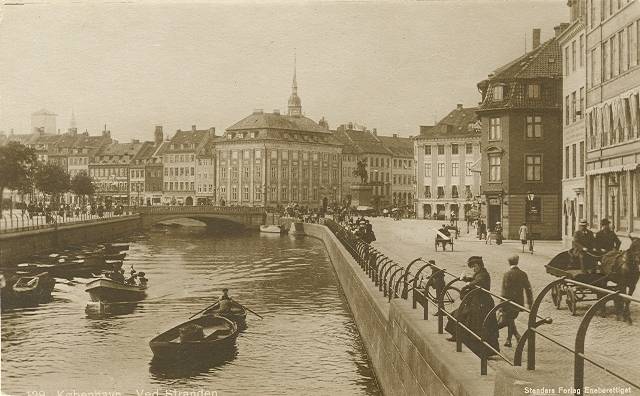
x=473 y=311
x=515 y=287
x=498 y=231
x=524 y=235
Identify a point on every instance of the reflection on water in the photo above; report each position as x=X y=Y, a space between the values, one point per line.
x=306 y=344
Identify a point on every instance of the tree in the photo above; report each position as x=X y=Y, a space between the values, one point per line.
x=361 y=171
x=16 y=166
x=82 y=185
x=52 y=179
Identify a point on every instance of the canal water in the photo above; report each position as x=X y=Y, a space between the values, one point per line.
x=307 y=343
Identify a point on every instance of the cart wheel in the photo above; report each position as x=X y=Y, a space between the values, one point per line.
x=571 y=300
x=556 y=296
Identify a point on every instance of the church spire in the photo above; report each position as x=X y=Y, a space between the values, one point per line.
x=72 y=122
x=295 y=104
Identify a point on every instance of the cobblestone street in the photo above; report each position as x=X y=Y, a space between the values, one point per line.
x=406 y=240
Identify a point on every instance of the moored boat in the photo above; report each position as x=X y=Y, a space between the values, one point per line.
x=297 y=229
x=28 y=290
x=115 y=247
x=107 y=290
x=237 y=312
x=202 y=336
x=271 y=229
x=115 y=256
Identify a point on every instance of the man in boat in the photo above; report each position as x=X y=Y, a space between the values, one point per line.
x=132 y=277
x=142 y=281
x=224 y=304
x=606 y=239
x=583 y=241
x=118 y=273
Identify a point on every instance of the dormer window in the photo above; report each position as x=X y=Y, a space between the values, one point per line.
x=533 y=91
x=498 y=92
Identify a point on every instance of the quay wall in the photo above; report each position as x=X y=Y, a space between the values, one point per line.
x=18 y=246
x=408 y=356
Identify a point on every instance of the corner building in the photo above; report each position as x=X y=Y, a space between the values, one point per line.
x=521 y=140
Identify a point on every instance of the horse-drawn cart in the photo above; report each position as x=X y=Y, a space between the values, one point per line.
x=562 y=266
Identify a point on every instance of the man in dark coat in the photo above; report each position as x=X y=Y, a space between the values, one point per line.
x=515 y=286
x=583 y=241
x=606 y=239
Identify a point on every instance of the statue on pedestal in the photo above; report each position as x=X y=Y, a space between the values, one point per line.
x=361 y=171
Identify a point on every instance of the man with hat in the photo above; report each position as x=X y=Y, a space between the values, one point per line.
x=515 y=286
x=606 y=239
x=583 y=241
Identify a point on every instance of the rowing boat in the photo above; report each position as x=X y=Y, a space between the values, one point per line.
x=237 y=313
x=107 y=291
x=271 y=229
x=202 y=336
x=28 y=290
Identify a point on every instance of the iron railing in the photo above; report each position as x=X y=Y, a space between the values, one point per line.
x=396 y=281
x=11 y=223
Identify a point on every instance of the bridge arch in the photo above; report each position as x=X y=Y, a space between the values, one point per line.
x=250 y=217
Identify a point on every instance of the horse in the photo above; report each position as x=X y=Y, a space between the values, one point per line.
x=622 y=268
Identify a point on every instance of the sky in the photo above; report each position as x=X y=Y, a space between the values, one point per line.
x=386 y=65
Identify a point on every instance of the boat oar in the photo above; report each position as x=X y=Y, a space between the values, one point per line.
x=258 y=315
x=202 y=310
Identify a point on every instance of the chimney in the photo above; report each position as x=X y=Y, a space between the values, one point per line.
x=158 y=135
x=106 y=134
x=375 y=131
x=193 y=128
x=395 y=135
x=135 y=141
x=212 y=131
x=276 y=111
x=536 y=38
x=459 y=107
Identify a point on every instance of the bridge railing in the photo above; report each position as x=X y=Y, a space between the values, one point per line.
x=209 y=209
x=10 y=223
x=433 y=290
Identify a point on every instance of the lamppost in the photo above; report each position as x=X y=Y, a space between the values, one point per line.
x=530 y=198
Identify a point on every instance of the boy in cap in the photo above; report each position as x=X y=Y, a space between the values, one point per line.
x=515 y=286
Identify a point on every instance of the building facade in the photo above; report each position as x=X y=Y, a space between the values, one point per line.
x=572 y=43
x=445 y=156
x=109 y=169
x=613 y=114
x=521 y=140
x=403 y=176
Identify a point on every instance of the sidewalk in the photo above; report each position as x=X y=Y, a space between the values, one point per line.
x=610 y=340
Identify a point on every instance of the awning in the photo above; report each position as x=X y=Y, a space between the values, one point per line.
x=612 y=169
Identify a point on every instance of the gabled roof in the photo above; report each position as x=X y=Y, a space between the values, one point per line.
x=360 y=142
x=117 y=153
x=261 y=120
x=545 y=61
x=194 y=139
x=399 y=146
x=460 y=122
x=146 y=151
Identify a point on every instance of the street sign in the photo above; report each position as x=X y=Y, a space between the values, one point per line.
x=533 y=210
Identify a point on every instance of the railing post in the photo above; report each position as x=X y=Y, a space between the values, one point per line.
x=533 y=314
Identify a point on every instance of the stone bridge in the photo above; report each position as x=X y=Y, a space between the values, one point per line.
x=249 y=217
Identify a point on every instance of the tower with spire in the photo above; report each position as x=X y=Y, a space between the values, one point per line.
x=73 y=128
x=295 y=104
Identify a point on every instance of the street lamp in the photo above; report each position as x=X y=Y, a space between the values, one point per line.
x=530 y=198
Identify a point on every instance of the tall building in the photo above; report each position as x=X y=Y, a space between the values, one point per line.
x=572 y=44
x=446 y=155
x=612 y=114
x=44 y=121
x=403 y=177
x=179 y=162
x=521 y=140
x=271 y=159
x=109 y=169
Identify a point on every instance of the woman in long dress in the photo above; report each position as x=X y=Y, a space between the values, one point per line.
x=473 y=310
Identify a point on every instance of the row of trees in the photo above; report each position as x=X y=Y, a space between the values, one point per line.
x=21 y=171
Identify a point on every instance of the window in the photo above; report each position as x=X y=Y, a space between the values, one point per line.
x=257 y=193
x=454 y=149
x=533 y=167
x=283 y=194
x=606 y=67
x=285 y=173
x=573 y=55
x=234 y=193
x=566 y=110
x=494 y=168
x=427 y=150
x=581 y=159
x=274 y=154
x=284 y=155
x=573 y=106
x=469 y=148
x=234 y=155
x=440 y=149
x=274 y=173
x=574 y=168
x=427 y=170
x=467 y=166
x=440 y=191
x=455 y=168
x=257 y=154
x=427 y=191
x=454 y=191
x=495 y=130
x=631 y=42
x=581 y=102
x=440 y=169
x=534 y=126
x=497 y=93
x=245 y=172
x=533 y=91
x=566 y=162
x=566 y=60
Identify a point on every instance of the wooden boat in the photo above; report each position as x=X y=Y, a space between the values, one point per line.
x=112 y=248
x=28 y=290
x=67 y=269
x=237 y=313
x=209 y=334
x=272 y=229
x=115 y=256
x=107 y=290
